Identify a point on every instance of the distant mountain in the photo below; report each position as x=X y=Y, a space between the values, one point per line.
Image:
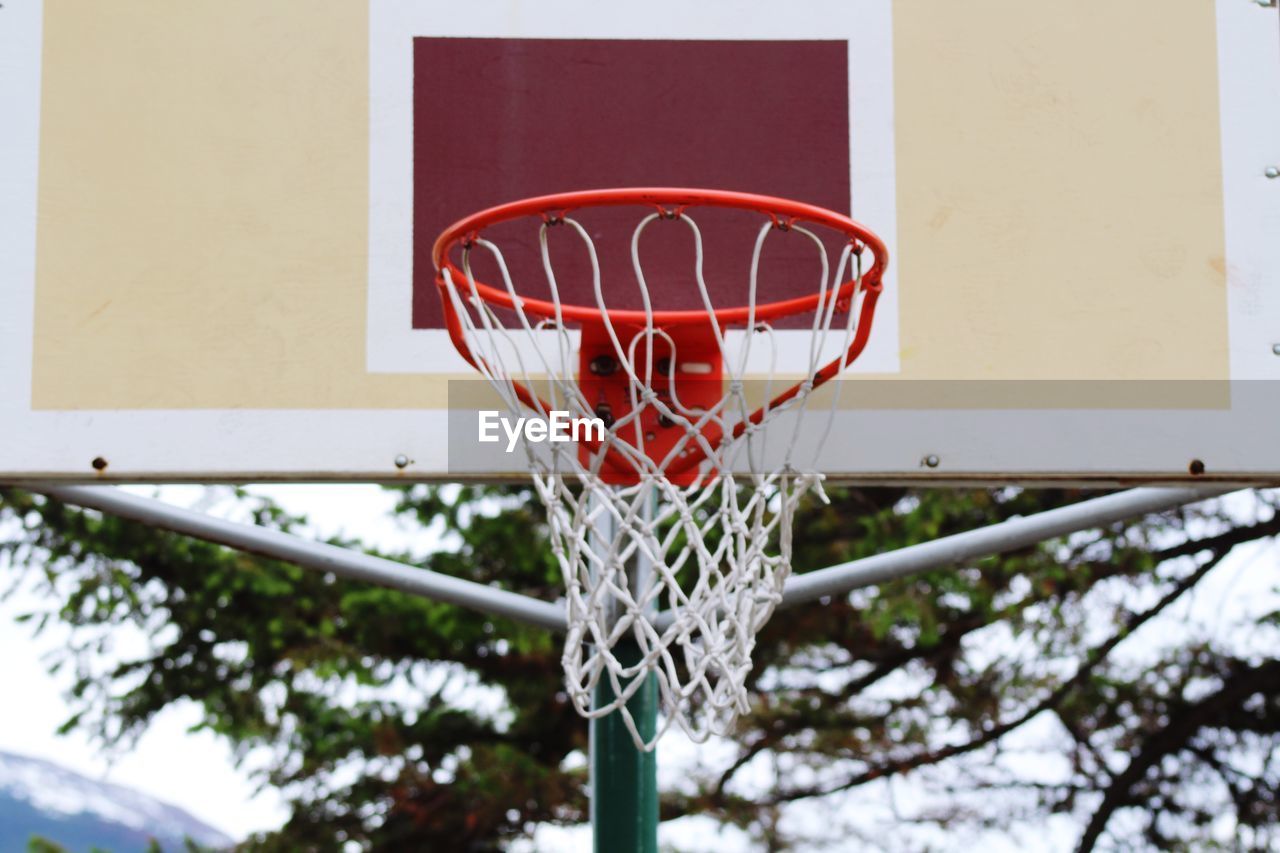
x=40 y=798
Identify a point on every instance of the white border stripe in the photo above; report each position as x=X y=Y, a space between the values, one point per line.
x=394 y=347
x=1249 y=91
x=20 y=43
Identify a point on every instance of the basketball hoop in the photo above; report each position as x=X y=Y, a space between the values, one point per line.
x=672 y=520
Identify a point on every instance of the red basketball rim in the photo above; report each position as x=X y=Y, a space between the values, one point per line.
x=784 y=212
x=671 y=202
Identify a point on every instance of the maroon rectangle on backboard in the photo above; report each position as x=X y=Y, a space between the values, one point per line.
x=502 y=119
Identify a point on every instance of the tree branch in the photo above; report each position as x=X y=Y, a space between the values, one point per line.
x=1092 y=660
x=1243 y=683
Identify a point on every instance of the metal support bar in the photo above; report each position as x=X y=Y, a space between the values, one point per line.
x=345 y=563
x=834 y=580
x=997 y=539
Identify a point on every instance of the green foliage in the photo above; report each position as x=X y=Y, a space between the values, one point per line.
x=367 y=698
x=330 y=675
x=41 y=845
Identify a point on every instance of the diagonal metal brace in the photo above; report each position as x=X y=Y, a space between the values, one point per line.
x=999 y=538
x=309 y=554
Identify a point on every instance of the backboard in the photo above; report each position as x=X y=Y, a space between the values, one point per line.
x=216 y=220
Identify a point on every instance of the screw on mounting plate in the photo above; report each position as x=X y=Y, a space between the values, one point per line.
x=1272 y=171
x=1266 y=4
x=402 y=461
x=605 y=413
x=1275 y=349
x=603 y=365
x=930 y=461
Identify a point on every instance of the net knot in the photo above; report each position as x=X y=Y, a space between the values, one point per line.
x=812 y=480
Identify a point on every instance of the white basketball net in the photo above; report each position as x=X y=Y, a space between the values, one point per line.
x=662 y=578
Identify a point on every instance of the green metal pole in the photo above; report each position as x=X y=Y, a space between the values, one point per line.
x=624 y=779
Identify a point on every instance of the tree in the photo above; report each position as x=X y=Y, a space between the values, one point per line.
x=399 y=723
